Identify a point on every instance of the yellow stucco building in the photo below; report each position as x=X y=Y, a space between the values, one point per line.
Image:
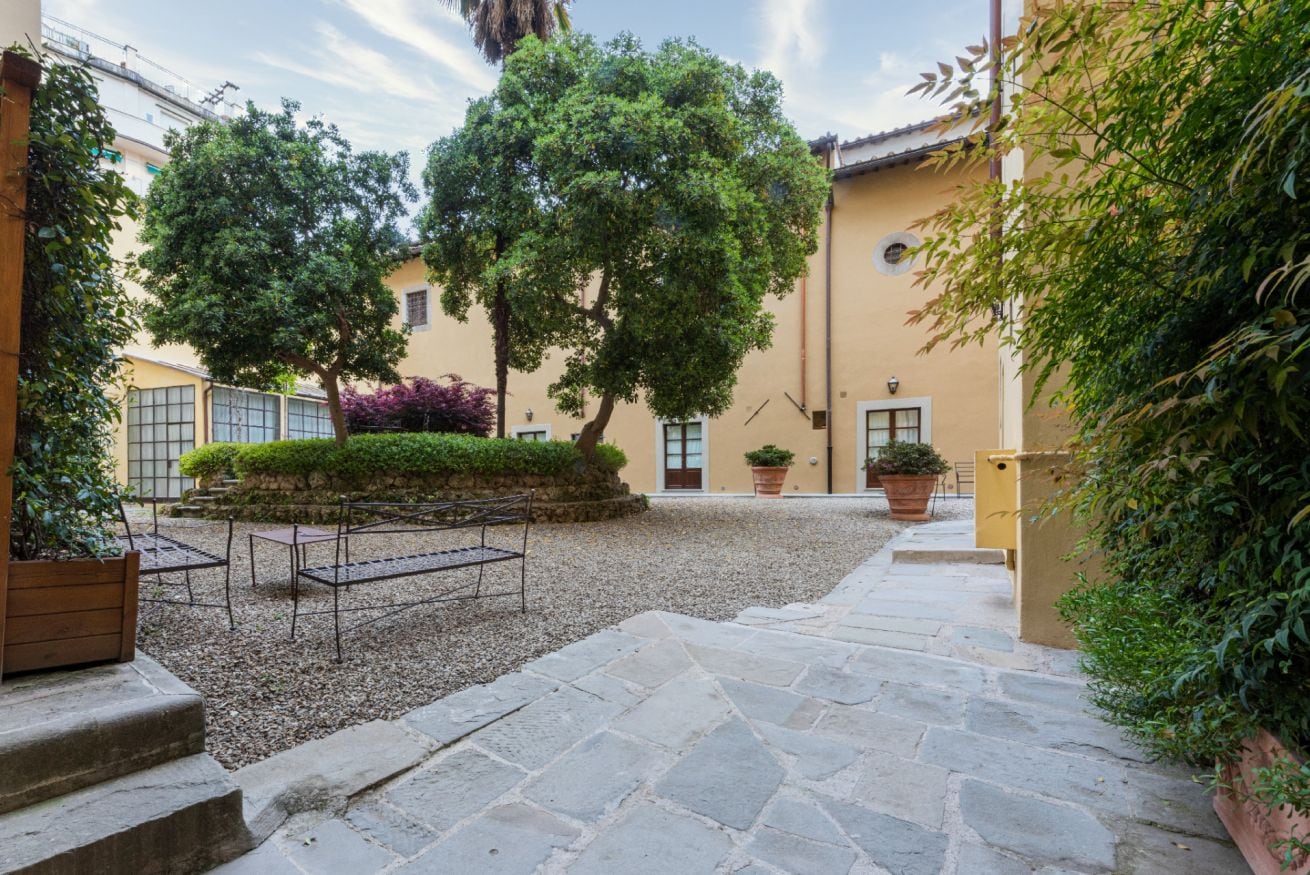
x=843 y=376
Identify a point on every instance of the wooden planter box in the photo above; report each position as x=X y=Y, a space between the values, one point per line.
x=69 y=612
x=1255 y=827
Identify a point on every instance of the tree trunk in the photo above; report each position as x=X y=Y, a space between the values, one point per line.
x=500 y=330
x=592 y=431
x=334 y=407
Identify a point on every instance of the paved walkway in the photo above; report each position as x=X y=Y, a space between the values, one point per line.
x=896 y=726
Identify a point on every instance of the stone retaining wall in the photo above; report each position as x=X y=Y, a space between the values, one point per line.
x=587 y=495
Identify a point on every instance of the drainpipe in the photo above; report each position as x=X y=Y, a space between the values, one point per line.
x=827 y=313
x=994 y=165
x=204 y=405
x=804 y=308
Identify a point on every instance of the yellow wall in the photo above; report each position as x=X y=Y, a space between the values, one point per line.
x=1038 y=432
x=870 y=343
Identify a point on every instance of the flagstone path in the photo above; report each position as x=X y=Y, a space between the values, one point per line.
x=895 y=726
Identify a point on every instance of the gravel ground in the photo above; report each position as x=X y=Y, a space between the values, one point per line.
x=708 y=557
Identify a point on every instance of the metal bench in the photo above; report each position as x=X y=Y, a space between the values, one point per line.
x=162 y=554
x=367 y=518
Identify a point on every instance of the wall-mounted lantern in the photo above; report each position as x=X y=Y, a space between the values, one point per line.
x=528 y=414
x=893 y=384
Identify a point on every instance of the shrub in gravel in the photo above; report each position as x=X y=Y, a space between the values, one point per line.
x=210 y=461
x=418 y=453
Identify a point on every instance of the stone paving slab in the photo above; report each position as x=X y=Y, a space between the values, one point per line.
x=677 y=745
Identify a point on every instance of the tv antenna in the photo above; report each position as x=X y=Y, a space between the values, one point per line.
x=214 y=97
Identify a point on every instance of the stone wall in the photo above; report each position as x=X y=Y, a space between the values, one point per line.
x=586 y=495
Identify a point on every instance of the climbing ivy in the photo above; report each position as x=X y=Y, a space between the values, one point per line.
x=76 y=317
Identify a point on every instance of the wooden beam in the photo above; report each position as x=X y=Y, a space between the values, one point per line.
x=18 y=77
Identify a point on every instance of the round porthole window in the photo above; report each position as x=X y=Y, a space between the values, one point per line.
x=892 y=255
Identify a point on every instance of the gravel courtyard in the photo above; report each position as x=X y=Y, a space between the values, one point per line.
x=708 y=557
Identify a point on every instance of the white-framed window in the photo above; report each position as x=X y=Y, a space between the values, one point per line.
x=416 y=308
x=891 y=255
x=246 y=417
x=533 y=432
x=308 y=419
x=877 y=422
x=682 y=455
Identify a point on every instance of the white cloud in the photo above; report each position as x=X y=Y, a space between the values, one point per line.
x=345 y=63
x=791 y=37
x=411 y=22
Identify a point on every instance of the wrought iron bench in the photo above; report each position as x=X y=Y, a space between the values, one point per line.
x=161 y=554
x=367 y=518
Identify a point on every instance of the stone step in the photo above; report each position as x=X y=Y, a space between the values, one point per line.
x=204 y=498
x=936 y=555
x=62 y=731
x=186 y=510
x=232 y=482
x=179 y=817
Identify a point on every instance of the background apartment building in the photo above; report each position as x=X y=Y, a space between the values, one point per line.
x=843 y=377
x=173 y=405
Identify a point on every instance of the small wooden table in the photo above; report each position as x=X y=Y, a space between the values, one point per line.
x=290 y=537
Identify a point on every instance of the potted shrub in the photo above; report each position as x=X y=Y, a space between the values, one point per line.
x=769 y=466
x=908 y=473
x=72 y=595
x=1263 y=799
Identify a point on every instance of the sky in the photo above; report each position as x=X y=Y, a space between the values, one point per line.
x=397 y=74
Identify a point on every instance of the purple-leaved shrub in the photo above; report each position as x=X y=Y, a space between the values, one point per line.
x=421 y=404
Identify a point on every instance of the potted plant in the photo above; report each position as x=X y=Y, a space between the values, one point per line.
x=1263 y=799
x=769 y=466
x=71 y=593
x=908 y=473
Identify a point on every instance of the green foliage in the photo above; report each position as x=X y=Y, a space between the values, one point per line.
x=610 y=457
x=670 y=180
x=268 y=243
x=76 y=316
x=210 y=461
x=1155 y=258
x=770 y=456
x=418 y=453
x=906 y=457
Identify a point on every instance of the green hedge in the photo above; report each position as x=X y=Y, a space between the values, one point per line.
x=210 y=460
x=419 y=453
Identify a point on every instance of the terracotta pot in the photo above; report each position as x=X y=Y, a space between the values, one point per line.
x=768 y=481
x=69 y=612
x=1255 y=827
x=908 y=495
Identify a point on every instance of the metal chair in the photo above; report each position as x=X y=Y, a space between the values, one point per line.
x=161 y=554
x=964 y=473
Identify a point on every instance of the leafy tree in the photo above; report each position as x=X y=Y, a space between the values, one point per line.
x=480 y=204
x=1158 y=254
x=670 y=180
x=498 y=25
x=76 y=316
x=267 y=245
x=471 y=180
